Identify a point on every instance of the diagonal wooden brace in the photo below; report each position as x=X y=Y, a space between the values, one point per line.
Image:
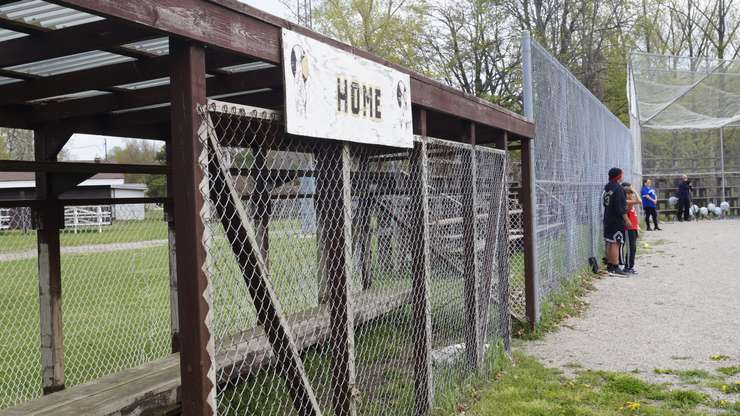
x=243 y=240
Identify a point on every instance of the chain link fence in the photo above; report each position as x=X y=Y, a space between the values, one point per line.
x=577 y=140
x=20 y=367
x=348 y=276
x=115 y=289
x=115 y=295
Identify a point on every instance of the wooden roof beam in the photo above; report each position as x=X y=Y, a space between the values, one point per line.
x=252 y=80
x=101 y=78
x=62 y=42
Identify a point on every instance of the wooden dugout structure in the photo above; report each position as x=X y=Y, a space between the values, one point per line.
x=219 y=49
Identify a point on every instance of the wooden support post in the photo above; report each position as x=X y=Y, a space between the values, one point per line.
x=187 y=74
x=421 y=269
x=504 y=274
x=529 y=214
x=169 y=212
x=334 y=204
x=261 y=204
x=48 y=141
x=471 y=288
x=361 y=228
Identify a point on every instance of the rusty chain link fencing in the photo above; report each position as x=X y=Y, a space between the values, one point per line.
x=349 y=278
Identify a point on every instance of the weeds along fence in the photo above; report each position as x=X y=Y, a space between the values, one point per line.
x=115 y=297
x=346 y=277
x=577 y=140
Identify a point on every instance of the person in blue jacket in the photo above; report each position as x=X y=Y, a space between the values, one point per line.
x=649 y=204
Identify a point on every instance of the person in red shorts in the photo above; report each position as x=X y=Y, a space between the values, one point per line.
x=632 y=228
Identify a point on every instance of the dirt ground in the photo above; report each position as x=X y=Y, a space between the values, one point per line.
x=680 y=312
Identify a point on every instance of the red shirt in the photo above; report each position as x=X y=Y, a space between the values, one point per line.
x=632 y=214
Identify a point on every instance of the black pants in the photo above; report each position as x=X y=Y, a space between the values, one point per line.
x=630 y=248
x=651 y=212
x=683 y=209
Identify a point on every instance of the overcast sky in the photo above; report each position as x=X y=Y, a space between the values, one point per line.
x=88 y=147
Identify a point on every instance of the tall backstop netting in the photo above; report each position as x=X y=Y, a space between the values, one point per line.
x=577 y=140
x=687 y=111
x=349 y=278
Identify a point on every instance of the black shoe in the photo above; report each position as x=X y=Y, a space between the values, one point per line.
x=649 y=229
x=658 y=229
x=617 y=272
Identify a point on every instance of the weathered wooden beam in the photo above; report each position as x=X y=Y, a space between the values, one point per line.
x=49 y=220
x=197 y=20
x=421 y=269
x=527 y=197
x=15 y=203
x=361 y=231
x=223 y=84
x=169 y=212
x=188 y=76
x=68 y=41
x=261 y=202
x=471 y=277
x=242 y=237
x=78 y=167
x=335 y=189
x=102 y=78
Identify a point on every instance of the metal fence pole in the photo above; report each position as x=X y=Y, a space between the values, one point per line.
x=529 y=195
x=423 y=386
x=722 y=160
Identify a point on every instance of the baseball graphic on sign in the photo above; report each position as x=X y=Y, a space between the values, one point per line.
x=300 y=69
x=403 y=103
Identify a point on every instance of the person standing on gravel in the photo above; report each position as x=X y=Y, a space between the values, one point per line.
x=615 y=220
x=649 y=204
x=684 y=198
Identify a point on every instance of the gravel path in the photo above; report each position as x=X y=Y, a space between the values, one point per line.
x=683 y=308
x=86 y=249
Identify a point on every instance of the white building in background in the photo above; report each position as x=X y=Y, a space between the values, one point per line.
x=22 y=185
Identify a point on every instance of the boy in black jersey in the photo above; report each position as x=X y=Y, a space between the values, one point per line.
x=615 y=220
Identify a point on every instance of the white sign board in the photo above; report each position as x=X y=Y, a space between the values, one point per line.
x=333 y=94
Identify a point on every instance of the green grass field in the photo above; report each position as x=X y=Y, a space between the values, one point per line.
x=115 y=307
x=116 y=311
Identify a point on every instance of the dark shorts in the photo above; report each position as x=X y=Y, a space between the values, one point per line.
x=614 y=234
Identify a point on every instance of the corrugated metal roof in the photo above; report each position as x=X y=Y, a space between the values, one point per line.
x=43 y=14
x=76 y=62
x=145 y=84
x=252 y=66
x=74 y=96
x=5 y=80
x=158 y=46
x=6 y=34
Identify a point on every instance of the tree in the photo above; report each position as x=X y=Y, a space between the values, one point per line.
x=390 y=29
x=156 y=185
x=18 y=143
x=141 y=152
x=471 y=48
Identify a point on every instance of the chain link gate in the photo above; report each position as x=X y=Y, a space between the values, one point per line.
x=345 y=278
